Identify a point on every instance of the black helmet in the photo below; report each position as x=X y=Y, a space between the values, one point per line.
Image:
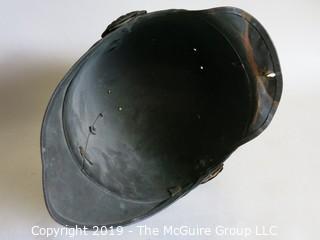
x=152 y=110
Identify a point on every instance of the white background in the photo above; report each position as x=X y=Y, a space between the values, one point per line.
x=273 y=180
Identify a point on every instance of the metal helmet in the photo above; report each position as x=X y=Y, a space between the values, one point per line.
x=152 y=110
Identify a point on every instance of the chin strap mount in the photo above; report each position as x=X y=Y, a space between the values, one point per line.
x=122 y=20
x=213 y=173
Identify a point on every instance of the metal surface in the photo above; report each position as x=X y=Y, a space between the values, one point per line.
x=152 y=110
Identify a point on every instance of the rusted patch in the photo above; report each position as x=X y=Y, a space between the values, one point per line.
x=85 y=156
x=263 y=98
